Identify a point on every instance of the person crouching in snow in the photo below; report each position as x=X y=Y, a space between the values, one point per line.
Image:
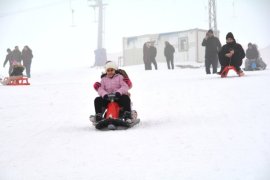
x=16 y=73
x=231 y=54
x=112 y=83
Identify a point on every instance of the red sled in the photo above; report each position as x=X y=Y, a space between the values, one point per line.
x=19 y=81
x=226 y=70
x=112 y=120
x=111 y=117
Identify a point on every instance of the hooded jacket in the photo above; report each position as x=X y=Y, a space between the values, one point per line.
x=113 y=85
x=239 y=52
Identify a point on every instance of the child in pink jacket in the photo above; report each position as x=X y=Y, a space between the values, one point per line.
x=112 y=83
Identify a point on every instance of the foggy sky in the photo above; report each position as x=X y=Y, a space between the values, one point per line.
x=47 y=25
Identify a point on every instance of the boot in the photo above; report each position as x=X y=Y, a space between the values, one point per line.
x=98 y=117
x=127 y=116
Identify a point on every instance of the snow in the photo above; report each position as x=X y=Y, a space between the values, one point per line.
x=193 y=126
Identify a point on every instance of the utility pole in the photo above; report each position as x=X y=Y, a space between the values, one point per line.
x=100 y=52
x=212 y=15
x=72 y=13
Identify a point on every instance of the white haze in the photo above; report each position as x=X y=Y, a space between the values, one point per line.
x=57 y=41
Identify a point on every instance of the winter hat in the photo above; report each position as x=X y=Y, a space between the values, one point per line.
x=210 y=31
x=110 y=65
x=230 y=35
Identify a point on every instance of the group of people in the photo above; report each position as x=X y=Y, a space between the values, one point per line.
x=150 y=53
x=253 y=61
x=230 y=54
x=17 y=57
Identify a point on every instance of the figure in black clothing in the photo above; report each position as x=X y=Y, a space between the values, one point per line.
x=146 y=57
x=8 y=59
x=152 y=55
x=212 y=47
x=169 y=54
x=16 y=55
x=27 y=57
x=231 y=54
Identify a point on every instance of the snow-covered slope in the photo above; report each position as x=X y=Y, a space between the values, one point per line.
x=194 y=126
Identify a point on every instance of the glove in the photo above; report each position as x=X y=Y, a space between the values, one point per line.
x=128 y=82
x=106 y=97
x=96 y=85
x=117 y=95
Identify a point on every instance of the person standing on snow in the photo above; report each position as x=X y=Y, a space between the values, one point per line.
x=152 y=55
x=16 y=55
x=231 y=54
x=8 y=59
x=146 y=59
x=169 y=54
x=27 y=57
x=212 y=47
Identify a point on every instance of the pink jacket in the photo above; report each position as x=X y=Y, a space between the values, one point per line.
x=113 y=85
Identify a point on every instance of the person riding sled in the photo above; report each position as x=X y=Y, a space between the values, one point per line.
x=112 y=83
x=16 y=73
x=122 y=72
x=231 y=54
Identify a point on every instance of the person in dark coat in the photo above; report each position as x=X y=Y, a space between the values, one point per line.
x=252 y=55
x=146 y=59
x=212 y=47
x=252 y=52
x=8 y=59
x=152 y=55
x=231 y=54
x=16 y=55
x=169 y=54
x=27 y=57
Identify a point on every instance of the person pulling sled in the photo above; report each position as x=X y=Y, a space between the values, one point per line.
x=231 y=56
x=112 y=107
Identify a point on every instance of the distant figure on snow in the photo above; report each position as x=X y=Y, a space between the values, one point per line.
x=212 y=47
x=169 y=54
x=146 y=58
x=27 y=57
x=152 y=55
x=253 y=61
x=8 y=59
x=16 y=55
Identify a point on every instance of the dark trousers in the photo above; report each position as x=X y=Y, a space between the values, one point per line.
x=231 y=62
x=27 y=65
x=101 y=104
x=208 y=63
x=170 y=62
x=10 y=69
x=154 y=62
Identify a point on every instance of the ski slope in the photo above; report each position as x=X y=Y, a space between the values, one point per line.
x=193 y=127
